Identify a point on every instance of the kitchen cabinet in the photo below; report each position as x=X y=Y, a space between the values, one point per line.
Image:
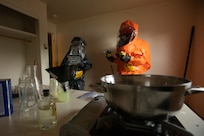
x=16 y=25
x=23 y=34
x=16 y=34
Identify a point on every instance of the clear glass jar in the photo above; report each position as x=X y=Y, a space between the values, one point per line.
x=63 y=91
x=47 y=112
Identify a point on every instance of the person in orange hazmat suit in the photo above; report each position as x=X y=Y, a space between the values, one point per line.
x=132 y=53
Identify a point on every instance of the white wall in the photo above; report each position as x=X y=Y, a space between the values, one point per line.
x=165 y=26
x=12 y=58
x=37 y=10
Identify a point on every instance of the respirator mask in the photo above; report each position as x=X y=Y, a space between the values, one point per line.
x=76 y=52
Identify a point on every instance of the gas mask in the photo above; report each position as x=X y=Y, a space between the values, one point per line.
x=76 y=52
x=126 y=35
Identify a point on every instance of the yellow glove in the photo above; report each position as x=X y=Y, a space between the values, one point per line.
x=78 y=74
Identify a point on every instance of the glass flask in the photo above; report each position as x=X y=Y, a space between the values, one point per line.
x=28 y=102
x=31 y=72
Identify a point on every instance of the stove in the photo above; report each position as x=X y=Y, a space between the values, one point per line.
x=97 y=118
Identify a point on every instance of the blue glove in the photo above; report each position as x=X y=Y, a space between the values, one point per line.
x=109 y=56
x=123 y=56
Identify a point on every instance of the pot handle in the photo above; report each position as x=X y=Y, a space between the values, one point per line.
x=195 y=89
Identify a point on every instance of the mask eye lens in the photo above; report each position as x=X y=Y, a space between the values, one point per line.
x=124 y=39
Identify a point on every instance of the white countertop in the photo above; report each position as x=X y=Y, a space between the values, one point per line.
x=12 y=125
x=191 y=121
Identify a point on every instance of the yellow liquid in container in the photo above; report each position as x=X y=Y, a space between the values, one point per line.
x=63 y=96
x=47 y=113
x=63 y=93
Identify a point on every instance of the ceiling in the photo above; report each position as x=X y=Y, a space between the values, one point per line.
x=64 y=10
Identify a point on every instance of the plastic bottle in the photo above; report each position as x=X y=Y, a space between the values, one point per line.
x=63 y=93
x=47 y=112
x=53 y=87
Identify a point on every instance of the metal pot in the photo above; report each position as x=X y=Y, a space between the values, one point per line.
x=146 y=96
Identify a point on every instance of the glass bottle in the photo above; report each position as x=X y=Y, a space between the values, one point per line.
x=47 y=112
x=31 y=71
x=63 y=93
x=28 y=102
x=20 y=87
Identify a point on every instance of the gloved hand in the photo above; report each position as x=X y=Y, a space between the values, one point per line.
x=78 y=74
x=123 y=56
x=109 y=56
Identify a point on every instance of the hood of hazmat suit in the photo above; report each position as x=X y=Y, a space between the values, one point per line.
x=137 y=49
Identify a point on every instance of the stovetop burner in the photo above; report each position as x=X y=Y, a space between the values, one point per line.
x=112 y=123
x=98 y=119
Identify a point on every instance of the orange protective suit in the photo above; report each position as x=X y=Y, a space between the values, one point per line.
x=137 y=50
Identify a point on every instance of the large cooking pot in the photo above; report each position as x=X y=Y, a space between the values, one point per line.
x=146 y=96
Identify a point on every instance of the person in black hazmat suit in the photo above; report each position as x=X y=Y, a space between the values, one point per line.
x=78 y=62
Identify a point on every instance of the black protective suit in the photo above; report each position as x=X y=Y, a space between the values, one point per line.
x=78 y=63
